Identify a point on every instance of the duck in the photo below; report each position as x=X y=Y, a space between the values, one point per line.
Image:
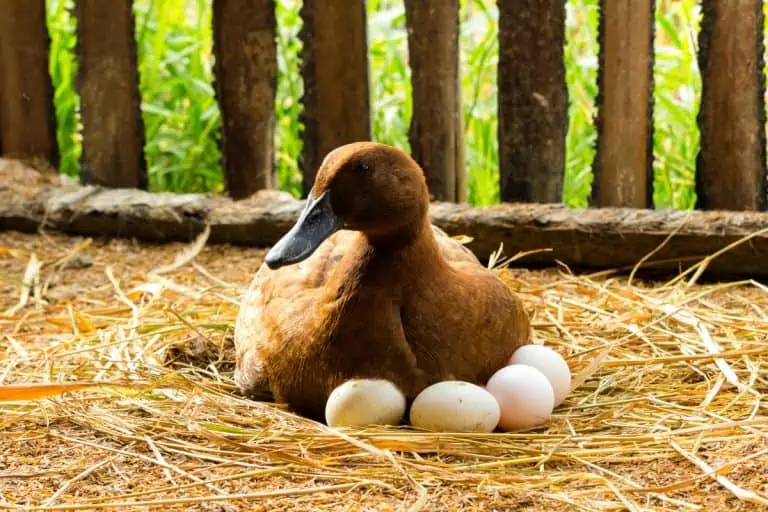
x=365 y=286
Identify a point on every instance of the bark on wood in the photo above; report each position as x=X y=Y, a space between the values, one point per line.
x=246 y=80
x=731 y=170
x=110 y=104
x=27 y=119
x=335 y=71
x=436 y=127
x=533 y=100
x=591 y=238
x=624 y=161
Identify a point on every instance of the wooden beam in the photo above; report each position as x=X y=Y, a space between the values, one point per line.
x=589 y=238
x=533 y=100
x=335 y=71
x=731 y=169
x=27 y=115
x=624 y=160
x=246 y=80
x=110 y=104
x=436 y=126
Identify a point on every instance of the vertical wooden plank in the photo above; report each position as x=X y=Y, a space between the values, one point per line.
x=533 y=100
x=27 y=116
x=624 y=161
x=2 y=97
x=731 y=170
x=110 y=104
x=435 y=133
x=246 y=80
x=335 y=71
x=3 y=73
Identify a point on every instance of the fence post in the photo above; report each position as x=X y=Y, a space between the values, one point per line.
x=246 y=80
x=436 y=126
x=624 y=161
x=730 y=167
x=335 y=71
x=110 y=104
x=27 y=118
x=533 y=100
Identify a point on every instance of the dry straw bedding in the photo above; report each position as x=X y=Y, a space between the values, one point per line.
x=656 y=422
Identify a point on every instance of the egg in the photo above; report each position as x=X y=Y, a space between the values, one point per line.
x=524 y=394
x=362 y=402
x=548 y=362
x=455 y=406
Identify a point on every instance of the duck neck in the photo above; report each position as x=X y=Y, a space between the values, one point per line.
x=412 y=239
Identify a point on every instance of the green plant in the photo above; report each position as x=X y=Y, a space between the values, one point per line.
x=181 y=117
x=678 y=91
x=479 y=56
x=63 y=69
x=581 y=65
x=182 y=120
x=290 y=88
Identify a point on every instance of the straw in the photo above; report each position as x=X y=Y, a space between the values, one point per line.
x=116 y=369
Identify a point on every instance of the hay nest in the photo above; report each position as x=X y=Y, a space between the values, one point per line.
x=667 y=411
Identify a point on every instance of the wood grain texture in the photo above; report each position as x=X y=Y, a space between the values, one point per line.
x=731 y=169
x=246 y=80
x=590 y=238
x=624 y=161
x=335 y=71
x=110 y=104
x=436 y=135
x=533 y=100
x=27 y=119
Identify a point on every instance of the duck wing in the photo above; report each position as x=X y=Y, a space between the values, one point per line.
x=453 y=250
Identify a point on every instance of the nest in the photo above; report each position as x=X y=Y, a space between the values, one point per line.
x=131 y=350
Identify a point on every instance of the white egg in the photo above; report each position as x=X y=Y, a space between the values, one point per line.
x=455 y=406
x=524 y=394
x=362 y=402
x=548 y=362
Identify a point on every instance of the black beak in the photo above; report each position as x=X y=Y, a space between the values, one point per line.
x=316 y=223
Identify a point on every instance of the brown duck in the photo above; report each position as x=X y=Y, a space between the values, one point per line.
x=363 y=286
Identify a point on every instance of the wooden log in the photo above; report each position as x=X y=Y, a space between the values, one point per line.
x=27 y=116
x=435 y=135
x=110 y=103
x=533 y=100
x=624 y=161
x=245 y=47
x=589 y=238
x=731 y=169
x=335 y=71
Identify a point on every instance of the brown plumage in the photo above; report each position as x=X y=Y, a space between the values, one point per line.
x=364 y=286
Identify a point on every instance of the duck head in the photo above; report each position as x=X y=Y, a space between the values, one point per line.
x=369 y=187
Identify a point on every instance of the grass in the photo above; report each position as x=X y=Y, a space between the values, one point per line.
x=182 y=120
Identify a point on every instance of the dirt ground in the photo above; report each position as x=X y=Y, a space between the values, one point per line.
x=633 y=437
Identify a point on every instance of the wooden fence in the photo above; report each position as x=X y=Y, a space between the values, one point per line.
x=731 y=166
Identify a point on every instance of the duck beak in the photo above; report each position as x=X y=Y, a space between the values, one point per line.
x=316 y=223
